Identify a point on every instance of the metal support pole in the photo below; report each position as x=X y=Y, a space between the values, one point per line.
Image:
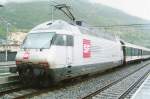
x=52 y=14
x=7 y=34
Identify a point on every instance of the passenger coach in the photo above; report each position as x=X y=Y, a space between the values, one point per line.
x=134 y=53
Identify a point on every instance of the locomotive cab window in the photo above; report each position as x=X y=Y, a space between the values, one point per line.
x=38 y=40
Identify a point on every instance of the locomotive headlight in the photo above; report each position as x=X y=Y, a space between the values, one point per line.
x=18 y=62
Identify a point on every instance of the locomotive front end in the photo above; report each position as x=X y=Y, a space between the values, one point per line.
x=35 y=57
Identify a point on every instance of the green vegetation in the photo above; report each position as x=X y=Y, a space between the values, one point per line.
x=2 y=31
x=25 y=16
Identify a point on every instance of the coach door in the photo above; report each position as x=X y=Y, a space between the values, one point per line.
x=69 y=50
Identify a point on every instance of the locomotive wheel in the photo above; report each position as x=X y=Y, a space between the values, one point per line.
x=26 y=75
x=28 y=78
x=45 y=81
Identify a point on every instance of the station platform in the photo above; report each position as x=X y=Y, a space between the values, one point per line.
x=7 y=63
x=143 y=91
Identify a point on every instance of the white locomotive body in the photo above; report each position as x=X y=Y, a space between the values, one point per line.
x=58 y=50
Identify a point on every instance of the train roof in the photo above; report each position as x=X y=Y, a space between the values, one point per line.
x=54 y=25
x=77 y=29
x=135 y=46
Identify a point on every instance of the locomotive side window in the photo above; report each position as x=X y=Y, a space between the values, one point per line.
x=70 y=40
x=63 y=40
x=59 y=40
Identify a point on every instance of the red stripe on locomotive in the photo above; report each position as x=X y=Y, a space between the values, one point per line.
x=86 y=48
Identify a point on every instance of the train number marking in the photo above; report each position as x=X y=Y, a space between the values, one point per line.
x=86 y=48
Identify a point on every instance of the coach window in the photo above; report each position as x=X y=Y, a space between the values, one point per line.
x=59 y=39
x=136 y=52
x=139 y=52
x=128 y=51
x=143 y=52
x=70 y=40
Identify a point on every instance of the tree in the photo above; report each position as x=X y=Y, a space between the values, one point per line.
x=1 y=5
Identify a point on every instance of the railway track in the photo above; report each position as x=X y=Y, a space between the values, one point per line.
x=85 y=88
x=129 y=95
x=10 y=86
x=19 y=93
x=23 y=92
x=120 y=88
x=10 y=63
x=5 y=69
x=134 y=85
x=8 y=81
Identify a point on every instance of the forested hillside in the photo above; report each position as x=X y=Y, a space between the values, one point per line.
x=24 y=16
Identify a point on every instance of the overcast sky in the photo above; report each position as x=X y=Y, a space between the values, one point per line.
x=140 y=8
x=19 y=1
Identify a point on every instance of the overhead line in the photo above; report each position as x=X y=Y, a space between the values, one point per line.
x=123 y=25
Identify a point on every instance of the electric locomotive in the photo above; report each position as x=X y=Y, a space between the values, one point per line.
x=57 y=50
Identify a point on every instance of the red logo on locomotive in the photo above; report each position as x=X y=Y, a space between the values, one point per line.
x=86 y=48
x=26 y=55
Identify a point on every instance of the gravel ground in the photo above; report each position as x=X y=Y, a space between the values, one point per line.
x=86 y=87
x=17 y=94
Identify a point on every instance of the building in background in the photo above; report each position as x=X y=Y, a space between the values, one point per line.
x=15 y=39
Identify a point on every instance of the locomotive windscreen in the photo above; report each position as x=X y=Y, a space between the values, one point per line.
x=38 y=40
